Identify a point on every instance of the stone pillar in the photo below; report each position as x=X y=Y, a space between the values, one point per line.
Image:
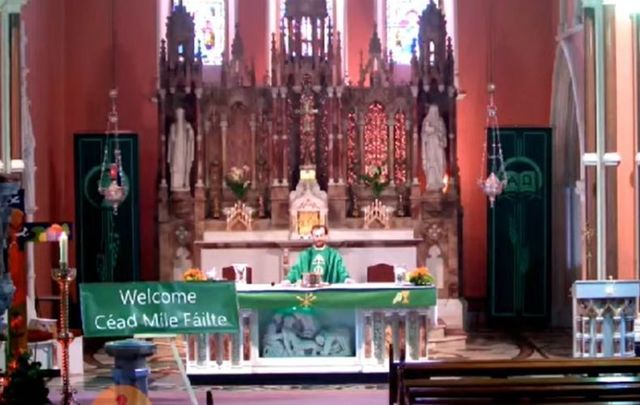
x=330 y=152
x=130 y=363
x=361 y=120
x=284 y=138
x=199 y=152
x=223 y=147
x=415 y=159
x=273 y=144
x=342 y=150
x=163 y=136
x=252 y=126
x=390 y=149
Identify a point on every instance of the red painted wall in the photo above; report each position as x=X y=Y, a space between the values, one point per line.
x=360 y=17
x=253 y=18
x=524 y=52
x=43 y=21
x=69 y=56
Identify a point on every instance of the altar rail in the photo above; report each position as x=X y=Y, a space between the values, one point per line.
x=603 y=318
x=404 y=327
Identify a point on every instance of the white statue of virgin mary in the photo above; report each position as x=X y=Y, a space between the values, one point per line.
x=180 y=152
x=434 y=142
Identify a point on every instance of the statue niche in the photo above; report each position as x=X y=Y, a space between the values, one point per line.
x=238 y=139
x=181 y=152
x=434 y=143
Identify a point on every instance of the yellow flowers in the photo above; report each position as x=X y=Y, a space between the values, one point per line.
x=193 y=274
x=420 y=276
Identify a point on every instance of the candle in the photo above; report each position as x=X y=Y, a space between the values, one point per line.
x=64 y=247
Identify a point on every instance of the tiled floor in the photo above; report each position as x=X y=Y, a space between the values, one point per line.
x=166 y=386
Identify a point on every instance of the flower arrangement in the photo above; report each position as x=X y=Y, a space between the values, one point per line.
x=238 y=181
x=194 y=274
x=375 y=177
x=420 y=276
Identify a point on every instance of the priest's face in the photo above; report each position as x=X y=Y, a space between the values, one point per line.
x=319 y=237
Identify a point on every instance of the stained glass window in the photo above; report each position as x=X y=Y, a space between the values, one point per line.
x=402 y=27
x=306 y=26
x=210 y=20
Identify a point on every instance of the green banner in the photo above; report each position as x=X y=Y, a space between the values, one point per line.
x=348 y=298
x=124 y=309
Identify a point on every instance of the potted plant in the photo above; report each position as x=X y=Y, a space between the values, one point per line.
x=25 y=383
x=376 y=177
x=238 y=181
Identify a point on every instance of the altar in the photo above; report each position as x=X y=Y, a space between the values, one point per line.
x=344 y=328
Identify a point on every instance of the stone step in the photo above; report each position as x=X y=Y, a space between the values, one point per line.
x=450 y=342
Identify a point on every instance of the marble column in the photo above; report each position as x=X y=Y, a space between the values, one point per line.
x=273 y=142
x=391 y=149
x=415 y=160
x=330 y=152
x=342 y=150
x=223 y=147
x=199 y=139
x=252 y=126
x=284 y=138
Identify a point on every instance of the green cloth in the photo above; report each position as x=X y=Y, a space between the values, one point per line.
x=348 y=297
x=326 y=261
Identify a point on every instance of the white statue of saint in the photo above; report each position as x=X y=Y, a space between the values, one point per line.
x=434 y=142
x=180 y=152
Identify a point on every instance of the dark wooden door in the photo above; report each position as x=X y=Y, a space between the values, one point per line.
x=107 y=245
x=519 y=230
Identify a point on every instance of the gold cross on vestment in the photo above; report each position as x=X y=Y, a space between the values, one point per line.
x=318 y=264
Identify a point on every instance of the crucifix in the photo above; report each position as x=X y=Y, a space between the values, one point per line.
x=307 y=128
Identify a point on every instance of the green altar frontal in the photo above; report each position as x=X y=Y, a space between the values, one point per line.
x=337 y=297
x=339 y=328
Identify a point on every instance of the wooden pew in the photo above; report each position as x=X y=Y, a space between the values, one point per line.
x=488 y=381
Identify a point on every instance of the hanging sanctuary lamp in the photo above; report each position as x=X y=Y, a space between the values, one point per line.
x=493 y=182
x=493 y=177
x=113 y=185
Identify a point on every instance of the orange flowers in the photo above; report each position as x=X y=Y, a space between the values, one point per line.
x=420 y=276
x=193 y=274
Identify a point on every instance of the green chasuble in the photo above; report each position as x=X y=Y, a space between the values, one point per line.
x=326 y=261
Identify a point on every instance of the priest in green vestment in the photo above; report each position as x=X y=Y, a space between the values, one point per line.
x=320 y=259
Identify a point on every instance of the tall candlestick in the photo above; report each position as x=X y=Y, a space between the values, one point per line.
x=64 y=248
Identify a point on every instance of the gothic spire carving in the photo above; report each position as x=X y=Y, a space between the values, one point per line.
x=237 y=46
x=375 y=46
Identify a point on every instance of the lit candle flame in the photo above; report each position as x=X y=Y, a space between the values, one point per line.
x=445 y=181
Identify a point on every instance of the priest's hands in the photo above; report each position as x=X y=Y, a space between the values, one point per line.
x=286 y=283
x=349 y=281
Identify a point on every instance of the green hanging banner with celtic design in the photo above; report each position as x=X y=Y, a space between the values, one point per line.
x=519 y=229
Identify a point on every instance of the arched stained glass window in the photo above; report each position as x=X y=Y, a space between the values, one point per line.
x=306 y=26
x=402 y=27
x=210 y=19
